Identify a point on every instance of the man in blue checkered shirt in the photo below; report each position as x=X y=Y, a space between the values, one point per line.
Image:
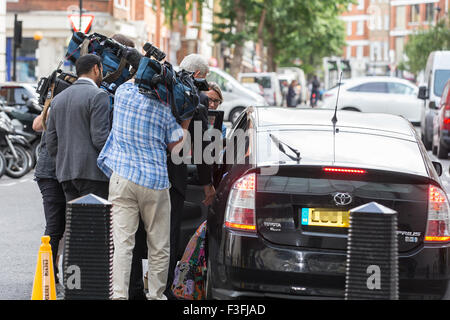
x=135 y=159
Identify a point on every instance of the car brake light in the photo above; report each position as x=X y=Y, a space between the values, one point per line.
x=240 y=212
x=446 y=124
x=344 y=170
x=438 y=216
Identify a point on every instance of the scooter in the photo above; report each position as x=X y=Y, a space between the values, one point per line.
x=14 y=148
x=22 y=119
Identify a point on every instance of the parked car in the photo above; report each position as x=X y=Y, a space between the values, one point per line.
x=441 y=127
x=292 y=73
x=378 y=95
x=437 y=73
x=17 y=94
x=255 y=87
x=236 y=97
x=260 y=247
x=270 y=83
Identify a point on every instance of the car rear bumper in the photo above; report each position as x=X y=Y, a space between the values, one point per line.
x=445 y=138
x=255 y=268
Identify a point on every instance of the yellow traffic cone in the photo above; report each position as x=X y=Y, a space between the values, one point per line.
x=44 y=279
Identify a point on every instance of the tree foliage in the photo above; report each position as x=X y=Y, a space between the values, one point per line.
x=421 y=44
x=304 y=29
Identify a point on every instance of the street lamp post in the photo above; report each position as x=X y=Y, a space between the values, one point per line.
x=81 y=12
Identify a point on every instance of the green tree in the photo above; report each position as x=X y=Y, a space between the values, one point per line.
x=290 y=29
x=421 y=44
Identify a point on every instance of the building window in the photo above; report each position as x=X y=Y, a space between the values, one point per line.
x=26 y=60
x=360 y=5
x=359 y=52
x=349 y=28
x=400 y=15
x=429 y=12
x=349 y=52
x=121 y=4
x=360 y=28
x=386 y=22
x=415 y=13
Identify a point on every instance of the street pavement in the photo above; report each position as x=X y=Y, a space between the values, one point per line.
x=22 y=225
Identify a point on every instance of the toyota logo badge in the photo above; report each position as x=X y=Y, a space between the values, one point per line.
x=342 y=199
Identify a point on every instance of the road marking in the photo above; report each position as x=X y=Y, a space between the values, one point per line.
x=15 y=182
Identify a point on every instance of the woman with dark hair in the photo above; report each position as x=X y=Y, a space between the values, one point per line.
x=52 y=194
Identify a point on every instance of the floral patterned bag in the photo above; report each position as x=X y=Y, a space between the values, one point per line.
x=190 y=272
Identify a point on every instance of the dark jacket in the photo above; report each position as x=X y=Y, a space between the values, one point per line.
x=178 y=173
x=291 y=101
x=77 y=129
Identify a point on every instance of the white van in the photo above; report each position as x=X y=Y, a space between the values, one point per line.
x=270 y=84
x=235 y=96
x=437 y=73
x=293 y=73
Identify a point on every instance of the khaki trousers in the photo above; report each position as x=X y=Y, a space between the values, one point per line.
x=130 y=199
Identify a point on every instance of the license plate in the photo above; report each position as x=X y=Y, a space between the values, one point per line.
x=320 y=217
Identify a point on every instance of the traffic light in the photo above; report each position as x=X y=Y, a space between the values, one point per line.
x=17 y=34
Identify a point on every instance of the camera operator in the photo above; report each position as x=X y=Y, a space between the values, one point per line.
x=178 y=173
x=135 y=158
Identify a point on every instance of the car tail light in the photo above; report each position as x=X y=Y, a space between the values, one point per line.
x=446 y=124
x=240 y=212
x=344 y=170
x=438 y=216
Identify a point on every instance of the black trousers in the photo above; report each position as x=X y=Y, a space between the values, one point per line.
x=176 y=213
x=74 y=189
x=55 y=214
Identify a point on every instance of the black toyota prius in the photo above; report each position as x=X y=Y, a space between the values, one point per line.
x=270 y=234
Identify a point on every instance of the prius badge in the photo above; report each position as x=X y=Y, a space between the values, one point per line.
x=342 y=199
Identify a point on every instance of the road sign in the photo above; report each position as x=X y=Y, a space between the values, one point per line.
x=86 y=22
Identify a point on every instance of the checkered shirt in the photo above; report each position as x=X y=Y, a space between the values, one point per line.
x=136 y=147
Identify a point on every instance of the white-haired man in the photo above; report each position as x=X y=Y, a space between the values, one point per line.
x=198 y=65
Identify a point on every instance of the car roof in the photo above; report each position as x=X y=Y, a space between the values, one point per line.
x=441 y=59
x=274 y=118
x=353 y=81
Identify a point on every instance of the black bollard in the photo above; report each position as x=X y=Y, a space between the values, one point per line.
x=88 y=251
x=372 y=254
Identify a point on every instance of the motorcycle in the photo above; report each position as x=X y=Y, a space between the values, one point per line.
x=314 y=99
x=14 y=148
x=22 y=118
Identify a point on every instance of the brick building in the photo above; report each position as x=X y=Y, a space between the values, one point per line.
x=141 y=20
x=357 y=47
x=377 y=31
x=407 y=16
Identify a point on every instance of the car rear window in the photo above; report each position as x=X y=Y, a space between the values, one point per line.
x=440 y=79
x=264 y=81
x=353 y=149
x=370 y=87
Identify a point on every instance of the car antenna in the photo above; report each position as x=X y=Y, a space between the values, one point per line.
x=334 y=120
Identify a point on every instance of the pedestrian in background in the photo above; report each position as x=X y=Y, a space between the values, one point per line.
x=78 y=127
x=135 y=157
x=291 y=100
x=53 y=197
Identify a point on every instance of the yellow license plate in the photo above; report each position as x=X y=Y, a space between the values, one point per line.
x=320 y=217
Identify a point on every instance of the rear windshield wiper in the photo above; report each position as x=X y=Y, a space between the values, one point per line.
x=281 y=148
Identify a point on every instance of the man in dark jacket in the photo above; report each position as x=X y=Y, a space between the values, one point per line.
x=178 y=173
x=78 y=127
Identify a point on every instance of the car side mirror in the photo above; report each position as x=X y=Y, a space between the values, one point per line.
x=432 y=105
x=25 y=97
x=423 y=93
x=438 y=167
